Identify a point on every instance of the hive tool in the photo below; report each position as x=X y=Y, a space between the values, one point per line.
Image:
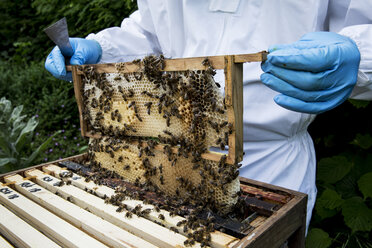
x=58 y=33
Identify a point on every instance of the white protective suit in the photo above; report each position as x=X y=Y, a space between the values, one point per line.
x=278 y=148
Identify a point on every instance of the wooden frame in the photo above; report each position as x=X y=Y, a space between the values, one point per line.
x=281 y=213
x=233 y=69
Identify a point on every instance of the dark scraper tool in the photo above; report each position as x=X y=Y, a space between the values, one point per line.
x=58 y=33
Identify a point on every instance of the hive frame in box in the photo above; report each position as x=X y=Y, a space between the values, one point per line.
x=287 y=222
x=233 y=69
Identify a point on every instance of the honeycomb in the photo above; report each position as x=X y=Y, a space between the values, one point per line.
x=213 y=183
x=183 y=111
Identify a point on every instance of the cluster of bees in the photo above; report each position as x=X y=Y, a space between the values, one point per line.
x=213 y=175
x=195 y=228
x=203 y=123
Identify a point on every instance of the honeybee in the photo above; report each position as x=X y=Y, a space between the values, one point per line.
x=136 y=61
x=145 y=212
x=128 y=214
x=126 y=78
x=174 y=162
x=138 y=117
x=161 y=217
x=132 y=103
x=222 y=146
x=206 y=62
x=148 y=105
x=230 y=127
x=168 y=121
x=131 y=93
x=59 y=184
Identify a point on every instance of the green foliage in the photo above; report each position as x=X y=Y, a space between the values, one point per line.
x=343 y=211
x=363 y=141
x=317 y=238
x=331 y=170
x=359 y=103
x=22 y=22
x=328 y=203
x=23 y=79
x=50 y=101
x=15 y=136
x=365 y=185
x=357 y=216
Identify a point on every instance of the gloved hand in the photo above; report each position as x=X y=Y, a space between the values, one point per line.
x=85 y=52
x=314 y=74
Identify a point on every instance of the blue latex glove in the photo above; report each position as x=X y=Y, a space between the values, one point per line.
x=313 y=75
x=85 y=52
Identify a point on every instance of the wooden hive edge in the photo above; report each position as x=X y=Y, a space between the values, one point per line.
x=288 y=221
x=39 y=166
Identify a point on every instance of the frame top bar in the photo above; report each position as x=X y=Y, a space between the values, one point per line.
x=181 y=64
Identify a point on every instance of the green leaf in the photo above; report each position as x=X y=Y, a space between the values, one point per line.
x=347 y=186
x=359 y=103
x=333 y=169
x=363 y=141
x=4 y=145
x=5 y=107
x=357 y=216
x=18 y=126
x=16 y=113
x=41 y=148
x=324 y=212
x=329 y=140
x=327 y=203
x=330 y=199
x=83 y=149
x=6 y=161
x=26 y=131
x=365 y=185
x=317 y=238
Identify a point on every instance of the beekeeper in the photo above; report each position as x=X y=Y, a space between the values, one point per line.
x=313 y=71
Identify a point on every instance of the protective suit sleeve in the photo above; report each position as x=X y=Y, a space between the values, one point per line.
x=133 y=39
x=362 y=35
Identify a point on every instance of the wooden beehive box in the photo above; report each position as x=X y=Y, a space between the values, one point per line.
x=36 y=211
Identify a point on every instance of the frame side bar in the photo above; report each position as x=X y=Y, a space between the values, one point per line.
x=78 y=85
x=234 y=104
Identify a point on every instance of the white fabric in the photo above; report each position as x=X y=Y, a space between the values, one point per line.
x=278 y=149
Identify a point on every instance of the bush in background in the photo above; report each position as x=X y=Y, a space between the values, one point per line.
x=23 y=79
x=343 y=210
x=22 y=22
x=16 y=149
x=50 y=102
